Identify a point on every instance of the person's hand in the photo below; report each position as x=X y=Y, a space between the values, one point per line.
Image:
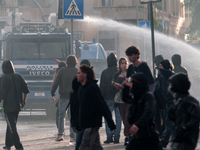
x=134 y=129
x=54 y=98
x=184 y=127
x=23 y=104
x=118 y=86
x=130 y=84
x=77 y=131
x=56 y=60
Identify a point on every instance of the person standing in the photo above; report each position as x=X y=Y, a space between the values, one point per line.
x=108 y=93
x=11 y=89
x=186 y=114
x=163 y=82
x=91 y=109
x=64 y=79
x=141 y=114
x=119 y=78
x=176 y=60
x=133 y=54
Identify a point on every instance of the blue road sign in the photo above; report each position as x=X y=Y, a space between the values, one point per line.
x=73 y=9
x=144 y=24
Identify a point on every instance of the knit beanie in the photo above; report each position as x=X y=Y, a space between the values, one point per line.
x=180 y=83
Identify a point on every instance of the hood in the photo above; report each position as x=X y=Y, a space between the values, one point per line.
x=166 y=73
x=112 y=60
x=176 y=60
x=7 y=67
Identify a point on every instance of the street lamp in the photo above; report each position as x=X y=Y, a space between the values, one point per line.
x=152 y=28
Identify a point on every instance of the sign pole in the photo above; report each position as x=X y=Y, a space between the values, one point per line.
x=152 y=37
x=72 y=36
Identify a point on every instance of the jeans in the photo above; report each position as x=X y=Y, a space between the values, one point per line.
x=79 y=137
x=111 y=106
x=91 y=139
x=61 y=119
x=12 y=137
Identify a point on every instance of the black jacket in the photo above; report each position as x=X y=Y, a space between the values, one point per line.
x=186 y=113
x=92 y=107
x=117 y=79
x=162 y=83
x=64 y=79
x=141 y=113
x=11 y=88
x=74 y=103
x=106 y=78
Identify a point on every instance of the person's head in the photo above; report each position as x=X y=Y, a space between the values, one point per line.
x=157 y=60
x=112 y=60
x=133 y=53
x=176 y=59
x=139 y=85
x=7 y=66
x=85 y=62
x=71 y=61
x=123 y=64
x=85 y=73
x=61 y=64
x=165 y=64
x=179 y=83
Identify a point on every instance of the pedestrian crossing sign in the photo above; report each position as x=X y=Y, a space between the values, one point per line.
x=73 y=9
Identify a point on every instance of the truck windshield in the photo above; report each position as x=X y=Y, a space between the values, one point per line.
x=38 y=49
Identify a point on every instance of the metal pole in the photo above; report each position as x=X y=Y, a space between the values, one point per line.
x=152 y=36
x=137 y=12
x=72 y=36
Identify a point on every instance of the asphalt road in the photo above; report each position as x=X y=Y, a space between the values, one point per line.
x=37 y=132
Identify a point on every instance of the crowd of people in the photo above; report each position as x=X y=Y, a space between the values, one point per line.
x=154 y=111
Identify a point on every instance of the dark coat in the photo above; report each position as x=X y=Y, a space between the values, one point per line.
x=74 y=103
x=162 y=83
x=92 y=107
x=117 y=79
x=11 y=88
x=187 y=114
x=141 y=113
x=106 y=78
x=64 y=79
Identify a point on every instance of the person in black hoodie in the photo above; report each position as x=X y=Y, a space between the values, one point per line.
x=186 y=114
x=74 y=107
x=176 y=60
x=11 y=89
x=162 y=82
x=108 y=93
x=91 y=109
x=141 y=114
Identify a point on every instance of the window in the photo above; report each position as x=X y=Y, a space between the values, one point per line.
x=107 y=3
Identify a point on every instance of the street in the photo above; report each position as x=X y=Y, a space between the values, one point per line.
x=37 y=132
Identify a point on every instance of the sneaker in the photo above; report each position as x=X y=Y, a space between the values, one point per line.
x=126 y=141
x=59 y=138
x=109 y=140
x=72 y=139
x=7 y=148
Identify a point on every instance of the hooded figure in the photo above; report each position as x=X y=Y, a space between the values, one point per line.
x=176 y=60
x=141 y=115
x=186 y=114
x=12 y=86
x=108 y=93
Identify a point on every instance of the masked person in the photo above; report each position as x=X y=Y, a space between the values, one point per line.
x=186 y=114
x=141 y=114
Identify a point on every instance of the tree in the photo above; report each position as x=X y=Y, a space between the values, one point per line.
x=194 y=28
